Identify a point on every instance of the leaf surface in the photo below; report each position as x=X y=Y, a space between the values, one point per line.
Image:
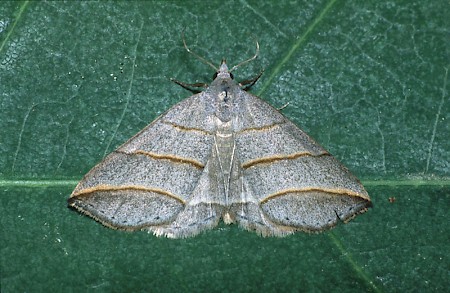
x=368 y=80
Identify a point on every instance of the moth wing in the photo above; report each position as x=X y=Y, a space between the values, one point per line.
x=288 y=182
x=159 y=179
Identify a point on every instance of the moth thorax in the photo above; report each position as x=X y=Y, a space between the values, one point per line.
x=224 y=96
x=224 y=107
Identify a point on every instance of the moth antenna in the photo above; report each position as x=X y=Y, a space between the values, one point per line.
x=284 y=106
x=196 y=55
x=248 y=60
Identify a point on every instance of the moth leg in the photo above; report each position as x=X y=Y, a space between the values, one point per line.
x=247 y=84
x=190 y=86
x=284 y=106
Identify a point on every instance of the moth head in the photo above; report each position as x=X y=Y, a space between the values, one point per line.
x=223 y=70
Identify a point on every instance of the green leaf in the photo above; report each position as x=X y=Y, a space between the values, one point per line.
x=367 y=79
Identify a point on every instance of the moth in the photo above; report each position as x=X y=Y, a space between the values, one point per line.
x=222 y=153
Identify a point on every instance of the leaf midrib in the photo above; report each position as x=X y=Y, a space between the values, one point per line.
x=368 y=183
